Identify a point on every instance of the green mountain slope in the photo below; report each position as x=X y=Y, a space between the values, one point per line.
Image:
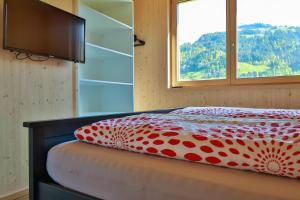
x=263 y=50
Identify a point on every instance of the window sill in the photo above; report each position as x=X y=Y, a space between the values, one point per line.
x=236 y=85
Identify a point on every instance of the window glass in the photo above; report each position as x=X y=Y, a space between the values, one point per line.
x=201 y=40
x=268 y=38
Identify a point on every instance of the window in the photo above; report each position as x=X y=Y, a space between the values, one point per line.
x=268 y=38
x=223 y=42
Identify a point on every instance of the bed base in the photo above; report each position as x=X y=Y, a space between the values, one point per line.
x=43 y=136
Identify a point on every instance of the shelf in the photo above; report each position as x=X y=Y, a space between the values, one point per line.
x=105 y=4
x=88 y=82
x=99 y=22
x=117 y=9
x=109 y=98
x=105 y=81
x=107 y=33
x=106 y=65
x=104 y=52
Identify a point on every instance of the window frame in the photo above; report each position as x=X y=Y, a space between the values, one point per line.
x=231 y=55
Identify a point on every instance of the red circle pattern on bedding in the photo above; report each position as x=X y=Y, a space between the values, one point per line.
x=264 y=141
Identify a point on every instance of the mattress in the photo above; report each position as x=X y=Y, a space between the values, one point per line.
x=112 y=174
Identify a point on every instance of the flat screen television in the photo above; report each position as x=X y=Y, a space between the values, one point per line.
x=34 y=27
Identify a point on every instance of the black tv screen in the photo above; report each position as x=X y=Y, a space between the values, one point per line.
x=34 y=27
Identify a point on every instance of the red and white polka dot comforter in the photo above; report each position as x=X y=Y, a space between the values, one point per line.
x=259 y=140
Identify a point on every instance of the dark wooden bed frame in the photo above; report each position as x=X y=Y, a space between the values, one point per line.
x=43 y=136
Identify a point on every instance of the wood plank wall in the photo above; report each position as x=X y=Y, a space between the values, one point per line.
x=151 y=72
x=29 y=91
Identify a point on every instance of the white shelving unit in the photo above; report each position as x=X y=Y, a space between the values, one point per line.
x=106 y=81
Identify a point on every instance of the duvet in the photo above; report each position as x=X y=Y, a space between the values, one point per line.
x=260 y=140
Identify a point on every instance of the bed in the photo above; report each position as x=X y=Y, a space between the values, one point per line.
x=128 y=175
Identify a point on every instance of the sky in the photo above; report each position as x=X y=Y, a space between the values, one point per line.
x=207 y=16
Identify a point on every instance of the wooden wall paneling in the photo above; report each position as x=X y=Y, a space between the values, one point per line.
x=151 y=72
x=29 y=91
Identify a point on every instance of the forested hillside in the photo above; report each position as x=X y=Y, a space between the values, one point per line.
x=263 y=50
